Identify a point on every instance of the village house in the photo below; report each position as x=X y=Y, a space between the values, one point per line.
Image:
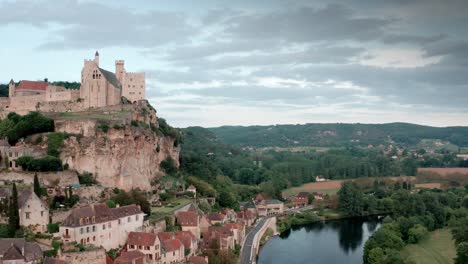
x=18 y=251
x=268 y=207
x=246 y=217
x=9 y=154
x=217 y=218
x=301 y=199
x=204 y=223
x=192 y=189
x=320 y=178
x=146 y=243
x=238 y=230
x=319 y=196
x=33 y=211
x=102 y=226
x=132 y=257
x=189 y=221
x=173 y=250
x=198 y=260
x=219 y=236
x=231 y=215
x=189 y=240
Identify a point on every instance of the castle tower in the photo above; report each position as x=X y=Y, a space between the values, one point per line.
x=120 y=70
x=96 y=58
x=11 y=89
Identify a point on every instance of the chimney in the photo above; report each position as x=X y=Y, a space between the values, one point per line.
x=46 y=80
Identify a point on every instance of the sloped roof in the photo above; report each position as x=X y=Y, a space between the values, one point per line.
x=32 y=251
x=216 y=216
x=303 y=195
x=186 y=237
x=197 y=260
x=188 y=218
x=163 y=236
x=32 y=85
x=4 y=143
x=130 y=257
x=141 y=239
x=110 y=77
x=171 y=245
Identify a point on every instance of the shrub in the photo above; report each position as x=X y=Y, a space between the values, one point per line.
x=52 y=228
x=103 y=126
x=55 y=142
x=48 y=163
x=17 y=126
x=110 y=203
x=86 y=179
x=168 y=165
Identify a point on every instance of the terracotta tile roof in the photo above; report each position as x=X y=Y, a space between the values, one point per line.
x=232 y=226
x=171 y=245
x=191 y=188
x=197 y=260
x=31 y=85
x=216 y=216
x=303 y=195
x=142 y=239
x=131 y=257
x=98 y=213
x=188 y=218
x=163 y=236
x=186 y=237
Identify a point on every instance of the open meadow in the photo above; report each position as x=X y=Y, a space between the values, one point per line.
x=438 y=248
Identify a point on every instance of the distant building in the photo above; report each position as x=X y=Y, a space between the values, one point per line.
x=18 y=251
x=102 y=226
x=147 y=243
x=33 y=211
x=320 y=178
x=266 y=207
x=132 y=257
x=189 y=221
x=9 y=154
x=217 y=218
x=301 y=199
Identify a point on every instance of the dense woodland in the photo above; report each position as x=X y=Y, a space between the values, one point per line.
x=337 y=135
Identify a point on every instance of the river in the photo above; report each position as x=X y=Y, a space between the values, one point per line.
x=336 y=241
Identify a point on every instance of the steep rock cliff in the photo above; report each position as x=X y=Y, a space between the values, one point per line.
x=121 y=155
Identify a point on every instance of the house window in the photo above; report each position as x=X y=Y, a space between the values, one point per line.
x=147 y=248
x=94 y=238
x=94 y=228
x=132 y=246
x=103 y=227
x=81 y=230
x=27 y=215
x=129 y=219
x=140 y=247
x=119 y=221
x=136 y=217
x=109 y=225
x=87 y=229
x=42 y=213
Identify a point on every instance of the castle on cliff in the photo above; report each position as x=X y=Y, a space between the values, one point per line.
x=99 y=88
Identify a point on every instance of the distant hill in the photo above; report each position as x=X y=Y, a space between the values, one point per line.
x=337 y=135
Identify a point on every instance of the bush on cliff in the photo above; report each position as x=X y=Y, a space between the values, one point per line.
x=15 y=126
x=48 y=163
x=55 y=143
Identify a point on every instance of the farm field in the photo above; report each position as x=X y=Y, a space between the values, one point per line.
x=438 y=248
x=444 y=171
x=332 y=187
x=428 y=185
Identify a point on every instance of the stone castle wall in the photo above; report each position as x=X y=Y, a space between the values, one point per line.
x=85 y=127
x=97 y=256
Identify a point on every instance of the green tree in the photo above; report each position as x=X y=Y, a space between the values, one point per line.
x=350 y=199
x=417 y=233
x=37 y=186
x=13 y=220
x=462 y=253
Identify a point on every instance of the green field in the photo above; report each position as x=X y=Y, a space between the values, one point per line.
x=438 y=248
x=159 y=212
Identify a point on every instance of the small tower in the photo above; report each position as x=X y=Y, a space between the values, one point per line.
x=120 y=70
x=96 y=58
x=11 y=89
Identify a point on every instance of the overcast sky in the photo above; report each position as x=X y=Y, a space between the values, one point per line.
x=247 y=62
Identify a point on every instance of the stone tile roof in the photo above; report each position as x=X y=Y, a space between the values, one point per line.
x=11 y=246
x=31 y=85
x=110 y=77
x=131 y=257
x=171 y=245
x=188 y=218
x=142 y=239
x=98 y=213
x=23 y=197
x=197 y=260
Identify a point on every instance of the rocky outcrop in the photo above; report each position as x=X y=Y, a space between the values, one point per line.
x=123 y=155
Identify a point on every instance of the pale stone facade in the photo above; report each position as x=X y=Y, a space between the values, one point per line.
x=99 y=88
x=102 y=226
x=9 y=154
x=33 y=212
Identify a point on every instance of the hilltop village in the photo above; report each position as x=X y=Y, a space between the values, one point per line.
x=83 y=179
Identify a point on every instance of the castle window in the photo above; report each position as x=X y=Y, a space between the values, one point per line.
x=27 y=215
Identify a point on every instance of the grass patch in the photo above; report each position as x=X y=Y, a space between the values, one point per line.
x=438 y=248
x=158 y=213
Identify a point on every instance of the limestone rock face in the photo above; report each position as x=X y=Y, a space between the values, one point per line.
x=125 y=158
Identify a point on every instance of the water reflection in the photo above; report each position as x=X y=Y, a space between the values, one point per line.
x=338 y=241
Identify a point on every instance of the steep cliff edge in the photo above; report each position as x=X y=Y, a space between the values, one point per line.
x=122 y=147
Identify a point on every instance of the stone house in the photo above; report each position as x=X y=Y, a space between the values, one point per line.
x=198 y=260
x=204 y=223
x=220 y=236
x=89 y=256
x=147 y=243
x=172 y=249
x=189 y=221
x=301 y=199
x=102 y=226
x=231 y=215
x=9 y=154
x=18 y=251
x=246 y=217
x=33 y=211
x=267 y=207
x=132 y=257
x=238 y=230
x=217 y=218
x=189 y=240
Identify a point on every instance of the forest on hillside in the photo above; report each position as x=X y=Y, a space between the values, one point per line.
x=336 y=135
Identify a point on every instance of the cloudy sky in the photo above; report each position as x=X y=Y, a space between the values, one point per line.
x=245 y=62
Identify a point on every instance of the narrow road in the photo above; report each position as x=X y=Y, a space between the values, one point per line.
x=246 y=253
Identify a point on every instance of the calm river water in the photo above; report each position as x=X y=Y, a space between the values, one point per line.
x=337 y=241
